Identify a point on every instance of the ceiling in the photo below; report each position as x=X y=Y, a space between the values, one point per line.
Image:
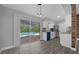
x=49 y=11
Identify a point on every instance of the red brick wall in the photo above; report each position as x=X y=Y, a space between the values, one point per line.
x=74 y=25
x=78 y=24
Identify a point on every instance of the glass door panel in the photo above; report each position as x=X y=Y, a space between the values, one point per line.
x=35 y=31
x=24 y=31
x=29 y=31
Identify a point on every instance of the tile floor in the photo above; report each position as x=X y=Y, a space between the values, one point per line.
x=41 y=47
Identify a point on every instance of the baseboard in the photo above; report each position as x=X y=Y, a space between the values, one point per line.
x=5 y=48
x=74 y=49
x=0 y=50
x=77 y=38
x=68 y=47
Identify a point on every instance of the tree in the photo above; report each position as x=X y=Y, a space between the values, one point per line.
x=35 y=28
x=24 y=28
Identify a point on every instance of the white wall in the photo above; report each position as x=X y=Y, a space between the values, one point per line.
x=1 y=28
x=7 y=25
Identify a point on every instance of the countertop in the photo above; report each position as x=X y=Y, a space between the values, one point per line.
x=65 y=32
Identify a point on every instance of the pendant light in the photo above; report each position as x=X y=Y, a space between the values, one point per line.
x=40 y=10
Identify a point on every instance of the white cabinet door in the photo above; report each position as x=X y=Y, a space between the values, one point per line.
x=62 y=27
x=68 y=20
x=51 y=25
x=44 y=36
x=65 y=40
x=52 y=35
x=45 y=24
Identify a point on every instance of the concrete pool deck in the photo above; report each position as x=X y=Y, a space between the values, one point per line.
x=28 y=39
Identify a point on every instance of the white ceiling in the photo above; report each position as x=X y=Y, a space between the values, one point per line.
x=49 y=11
x=67 y=8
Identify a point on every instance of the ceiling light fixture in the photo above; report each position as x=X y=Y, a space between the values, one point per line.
x=58 y=16
x=40 y=11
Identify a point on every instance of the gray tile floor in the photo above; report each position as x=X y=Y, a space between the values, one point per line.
x=41 y=47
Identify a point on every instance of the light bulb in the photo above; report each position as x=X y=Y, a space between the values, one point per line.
x=58 y=16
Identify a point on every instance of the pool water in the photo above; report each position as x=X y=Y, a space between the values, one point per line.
x=28 y=33
x=23 y=34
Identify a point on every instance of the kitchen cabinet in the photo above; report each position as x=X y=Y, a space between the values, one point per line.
x=46 y=36
x=68 y=20
x=65 y=39
x=62 y=27
x=52 y=35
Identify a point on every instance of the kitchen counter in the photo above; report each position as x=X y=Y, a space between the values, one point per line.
x=65 y=32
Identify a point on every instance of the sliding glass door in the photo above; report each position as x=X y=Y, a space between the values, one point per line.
x=29 y=31
x=24 y=31
x=35 y=31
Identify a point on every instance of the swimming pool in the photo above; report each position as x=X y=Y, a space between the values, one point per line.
x=23 y=34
